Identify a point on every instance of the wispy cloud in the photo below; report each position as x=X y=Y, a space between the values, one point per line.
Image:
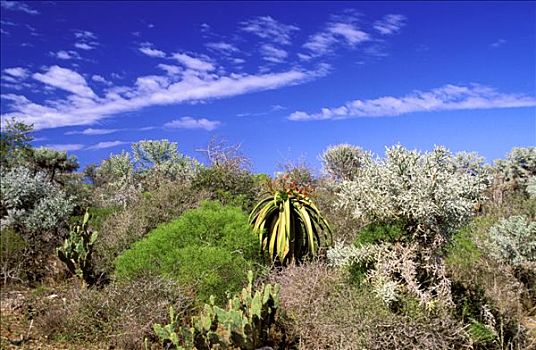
x=390 y=24
x=85 y=35
x=273 y=54
x=84 y=46
x=18 y=6
x=446 y=98
x=17 y=72
x=222 y=47
x=101 y=79
x=267 y=28
x=91 y=131
x=199 y=64
x=191 y=123
x=66 y=147
x=170 y=69
x=107 y=144
x=147 y=49
x=273 y=108
x=335 y=33
x=84 y=107
x=85 y=40
x=66 y=55
x=497 y=43
x=67 y=80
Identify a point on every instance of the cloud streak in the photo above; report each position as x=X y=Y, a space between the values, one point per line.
x=91 y=132
x=65 y=79
x=335 y=33
x=18 y=6
x=390 y=24
x=191 y=123
x=66 y=147
x=267 y=28
x=83 y=107
x=107 y=144
x=446 y=98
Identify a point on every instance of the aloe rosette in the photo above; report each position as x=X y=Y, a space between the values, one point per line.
x=289 y=225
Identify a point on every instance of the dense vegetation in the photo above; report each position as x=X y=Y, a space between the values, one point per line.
x=154 y=250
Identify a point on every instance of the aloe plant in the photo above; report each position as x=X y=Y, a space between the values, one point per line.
x=289 y=225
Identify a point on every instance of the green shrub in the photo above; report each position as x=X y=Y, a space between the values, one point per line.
x=380 y=232
x=229 y=185
x=462 y=252
x=480 y=333
x=210 y=249
x=121 y=229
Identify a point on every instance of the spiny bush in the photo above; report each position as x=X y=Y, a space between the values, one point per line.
x=120 y=314
x=342 y=162
x=36 y=210
x=429 y=192
x=122 y=228
x=321 y=311
x=209 y=249
x=430 y=195
x=487 y=294
x=12 y=247
x=30 y=203
x=513 y=240
x=518 y=167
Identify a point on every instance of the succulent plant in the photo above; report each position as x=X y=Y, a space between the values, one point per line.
x=243 y=324
x=77 y=249
x=289 y=225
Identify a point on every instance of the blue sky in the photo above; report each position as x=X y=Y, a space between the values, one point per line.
x=283 y=79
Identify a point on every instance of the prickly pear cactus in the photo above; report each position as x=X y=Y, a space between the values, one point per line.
x=243 y=324
x=77 y=249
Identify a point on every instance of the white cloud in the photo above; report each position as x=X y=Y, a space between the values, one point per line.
x=498 y=43
x=83 y=107
x=267 y=28
x=191 y=123
x=66 y=55
x=205 y=27
x=193 y=62
x=17 y=72
x=170 y=69
x=91 y=131
x=446 y=98
x=152 y=52
x=18 y=6
x=85 y=35
x=273 y=54
x=84 y=46
x=336 y=32
x=222 y=47
x=65 y=79
x=101 y=79
x=107 y=144
x=65 y=147
x=390 y=24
